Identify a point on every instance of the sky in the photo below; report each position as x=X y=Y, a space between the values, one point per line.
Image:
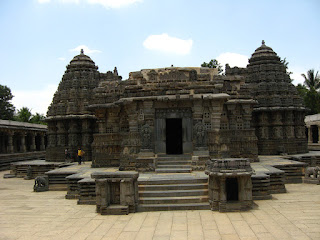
x=39 y=38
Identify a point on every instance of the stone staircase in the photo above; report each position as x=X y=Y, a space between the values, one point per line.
x=174 y=193
x=173 y=164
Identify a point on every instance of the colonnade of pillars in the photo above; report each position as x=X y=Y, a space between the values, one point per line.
x=21 y=141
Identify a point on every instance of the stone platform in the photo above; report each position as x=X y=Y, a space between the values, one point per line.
x=169 y=191
x=47 y=215
x=38 y=167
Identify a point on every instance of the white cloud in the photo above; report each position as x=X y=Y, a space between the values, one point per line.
x=296 y=74
x=233 y=59
x=113 y=3
x=61 y=59
x=43 y=1
x=36 y=100
x=86 y=49
x=70 y=1
x=168 y=44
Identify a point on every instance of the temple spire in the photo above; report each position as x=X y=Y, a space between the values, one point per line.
x=81 y=51
x=263 y=42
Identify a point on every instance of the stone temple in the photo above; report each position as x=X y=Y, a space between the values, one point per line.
x=190 y=111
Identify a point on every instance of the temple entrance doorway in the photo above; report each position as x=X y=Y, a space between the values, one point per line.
x=314 y=134
x=173 y=131
x=174 y=136
x=232 y=189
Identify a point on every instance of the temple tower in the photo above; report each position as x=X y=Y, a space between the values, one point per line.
x=279 y=115
x=70 y=124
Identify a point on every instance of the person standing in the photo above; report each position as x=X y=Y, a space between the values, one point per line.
x=80 y=155
x=66 y=154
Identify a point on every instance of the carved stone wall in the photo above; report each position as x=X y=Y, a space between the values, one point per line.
x=132 y=117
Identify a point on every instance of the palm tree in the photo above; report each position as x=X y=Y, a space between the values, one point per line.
x=312 y=81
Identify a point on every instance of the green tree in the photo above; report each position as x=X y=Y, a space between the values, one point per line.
x=302 y=90
x=286 y=63
x=38 y=118
x=312 y=80
x=312 y=101
x=213 y=64
x=23 y=115
x=6 y=107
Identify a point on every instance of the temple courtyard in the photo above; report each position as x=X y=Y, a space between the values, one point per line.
x=25 y=214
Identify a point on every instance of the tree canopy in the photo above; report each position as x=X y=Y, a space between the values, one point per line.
x=24 y=115
x=309 y=91
x=213 y=64
x=311 y=80
x=6 y=107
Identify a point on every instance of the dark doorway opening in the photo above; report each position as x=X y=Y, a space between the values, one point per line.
x=115 y=193
x=232 y=189
x=315 y=133
x=174 y=136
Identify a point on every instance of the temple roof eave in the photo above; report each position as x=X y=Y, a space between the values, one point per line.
x=66 y=117
x=124 y=101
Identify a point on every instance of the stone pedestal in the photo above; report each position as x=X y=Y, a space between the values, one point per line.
x=145 y=161
x=116 y=192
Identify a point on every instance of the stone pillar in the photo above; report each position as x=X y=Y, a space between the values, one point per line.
x=318 y=133
x=10 y=142
x=61 y=134
x=309 y=135
x=42 y=143
x=223 y=197
x=33 y=142
x=87 y=138
x=101 y=115
x=102 y=196
x=52 y=134
x=2 y=147
x=23 y=142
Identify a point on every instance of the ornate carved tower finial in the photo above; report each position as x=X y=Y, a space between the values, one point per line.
x=263 y=42
x=81 y=51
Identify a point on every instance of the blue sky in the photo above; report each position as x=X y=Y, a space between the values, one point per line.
x=39 y=37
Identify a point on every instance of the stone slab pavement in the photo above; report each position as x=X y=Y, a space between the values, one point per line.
x=25 y=214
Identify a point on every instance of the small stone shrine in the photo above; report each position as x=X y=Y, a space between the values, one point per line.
x=116 y=192
x=230 y=186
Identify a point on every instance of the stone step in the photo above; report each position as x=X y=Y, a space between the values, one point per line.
x=173 y=162
x=173 y=187
x=173 y=157
x=170 y=207
x=173 y=166
x=175 y=200
x=173 y=170
x=173 y=193
x=166 y=181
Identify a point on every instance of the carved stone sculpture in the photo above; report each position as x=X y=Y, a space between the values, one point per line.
x=146 y=137
x=41 y=184
x=200 y=134
x=312 y=171
x=29 y=173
